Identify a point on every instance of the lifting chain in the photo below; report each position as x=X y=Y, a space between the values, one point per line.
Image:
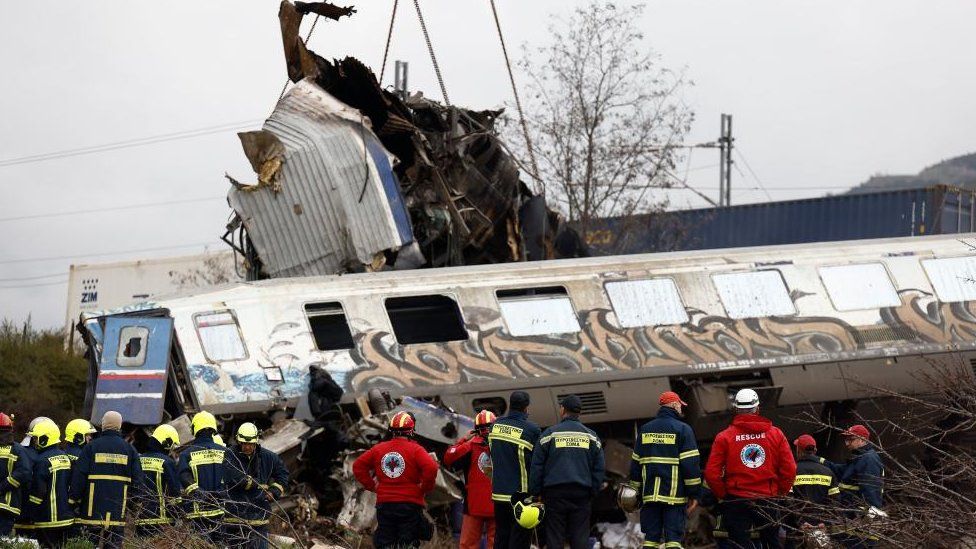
x=430 y=48
x=389 y=37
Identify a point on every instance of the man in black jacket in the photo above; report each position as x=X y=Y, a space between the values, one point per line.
x=861 y=482
x=815 y=488
x=567 y=471
x=511 y=441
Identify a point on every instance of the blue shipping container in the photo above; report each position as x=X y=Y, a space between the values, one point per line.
x=934 y=210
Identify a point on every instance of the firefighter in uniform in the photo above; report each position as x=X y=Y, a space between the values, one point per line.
x=511 y=443
x=750 y=463
x=666 y=473
x=567 y=472
x=256 y=477
x=471 y=455
x=15 y=473
x=401 y=473
x=50 y=515
x=160 y=489
x=77 y=433
x=201 y=471
x=23 y=525
x=861 y=482
x=103 y=474
x=814 y=488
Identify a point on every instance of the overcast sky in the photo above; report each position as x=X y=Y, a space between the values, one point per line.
x=824 y=93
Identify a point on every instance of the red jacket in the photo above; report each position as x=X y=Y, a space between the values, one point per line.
x=398 y=470
x=750 y=459
x=473 y=455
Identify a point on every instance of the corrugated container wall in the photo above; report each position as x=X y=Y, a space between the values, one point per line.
x=935 y=210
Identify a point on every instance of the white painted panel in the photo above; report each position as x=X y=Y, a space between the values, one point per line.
x=539 y=316
x=754 y=295
x=857 y=287
x=954 y=278
x=220 y=337
x=640 y=303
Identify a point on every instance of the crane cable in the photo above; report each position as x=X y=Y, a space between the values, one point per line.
x=518 y=102
x=430 y=49
x=389 y=38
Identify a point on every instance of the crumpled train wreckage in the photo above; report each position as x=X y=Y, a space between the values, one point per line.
x=352 y=178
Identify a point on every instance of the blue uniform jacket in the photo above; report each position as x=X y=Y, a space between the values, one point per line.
x=15 y=473
x=665 y=466
x=73 y=451
x=249 y=478
x=48 y=506
x=106 y=470
x=24 y=522
x=201 y=470
x=160 y=486
x=568 y=455
x=861 y=478
x=511 y=442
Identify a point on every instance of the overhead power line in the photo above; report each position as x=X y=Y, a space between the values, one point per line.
x=129 y=143
x=102 y=254
x=111 y=208
x=21 y=286
x=38 y=277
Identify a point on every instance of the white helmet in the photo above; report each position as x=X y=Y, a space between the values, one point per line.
x=746 y=399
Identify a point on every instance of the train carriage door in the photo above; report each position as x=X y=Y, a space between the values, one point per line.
x=133 y=369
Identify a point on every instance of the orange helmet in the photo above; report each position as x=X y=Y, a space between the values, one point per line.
x=484 y=419
x=6 y=424
x=402 y=422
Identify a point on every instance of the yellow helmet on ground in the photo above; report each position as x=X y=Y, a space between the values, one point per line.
x=167 y=436
x=46 y=432
x=76 y=429
x=203 y=420
x=527 y=514
x=248 y=432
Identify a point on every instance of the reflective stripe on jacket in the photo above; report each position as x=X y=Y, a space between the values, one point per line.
x=160 y=487
x=15 y=473
x=665 y=466
x=861 y=478
x=569 y=454
x=103 y=474
x=201 y=470
x=511 y=443
x=249 y=478
x=48 y=501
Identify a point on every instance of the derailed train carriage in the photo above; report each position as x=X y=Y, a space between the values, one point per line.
x=811 y=327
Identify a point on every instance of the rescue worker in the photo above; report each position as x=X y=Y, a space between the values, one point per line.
x=100 y=482
x=511 y=442
x=401 y=473
x=719 y=534
x=51 y=516
x=666 y=473
x=813 y=488
x=749 y=464
x=861 y=482
x=15 y=473
x=567 y=472
x=472 y=456
x=77 y=433
x=160 y=488
x=256 y=477
x=201 y=469
x=23 y=525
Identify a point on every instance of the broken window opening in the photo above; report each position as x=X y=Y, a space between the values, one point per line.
x=220 y=336
x=329 y=325
x=538 y=311
x=132 y=346
x=425 y=319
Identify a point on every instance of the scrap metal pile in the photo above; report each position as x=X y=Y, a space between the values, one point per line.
x=351 y=178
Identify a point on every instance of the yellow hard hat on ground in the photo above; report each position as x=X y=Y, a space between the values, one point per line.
x=203 y=420
x=46 y=432
x=167 y=436
x=76 y=429
x=248 y=432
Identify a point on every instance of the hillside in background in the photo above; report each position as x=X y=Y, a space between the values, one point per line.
x=959 y=171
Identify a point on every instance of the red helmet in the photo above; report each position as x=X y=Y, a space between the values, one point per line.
x=6 y=424
x=402 y=422
x=484 y=419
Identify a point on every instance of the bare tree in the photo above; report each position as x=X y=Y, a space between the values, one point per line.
x=604 y=114
x=216 y=269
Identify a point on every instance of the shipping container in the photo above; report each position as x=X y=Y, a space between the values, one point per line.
x=104 y=286
x=934 y=210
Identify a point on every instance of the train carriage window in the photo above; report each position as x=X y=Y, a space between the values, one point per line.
x=133 y=341
x=537 y=311
x=754 y=295
x=952 y=278
x=220 y=336
x=857 y=287
x=425 y=319
x=640 y=303
x=329 y=326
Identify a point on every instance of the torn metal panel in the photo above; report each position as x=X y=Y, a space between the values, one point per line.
x=335 y=200
x=435 y=423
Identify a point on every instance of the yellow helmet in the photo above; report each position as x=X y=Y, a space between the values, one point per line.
x=248 y=432
x=76 y=429
x=203 y=420
x=167 y=436
x=527 y=514
x=219 y=439
x=46 y=433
